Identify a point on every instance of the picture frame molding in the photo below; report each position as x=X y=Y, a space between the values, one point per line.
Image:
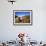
x=23 y=23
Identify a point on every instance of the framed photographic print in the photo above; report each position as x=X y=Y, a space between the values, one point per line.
x=22 y=17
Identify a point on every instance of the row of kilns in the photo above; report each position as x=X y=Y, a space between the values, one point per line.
x=22 y=43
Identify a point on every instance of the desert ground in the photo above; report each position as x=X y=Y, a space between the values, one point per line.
x=23 y=19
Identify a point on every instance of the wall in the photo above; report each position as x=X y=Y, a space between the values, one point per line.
x=38 y=30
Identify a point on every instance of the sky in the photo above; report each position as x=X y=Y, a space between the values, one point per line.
x=22 y=13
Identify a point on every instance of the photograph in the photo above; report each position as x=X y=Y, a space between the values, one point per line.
x=22 y=16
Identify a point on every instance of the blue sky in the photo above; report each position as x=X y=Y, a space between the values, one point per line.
x=22 y=13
